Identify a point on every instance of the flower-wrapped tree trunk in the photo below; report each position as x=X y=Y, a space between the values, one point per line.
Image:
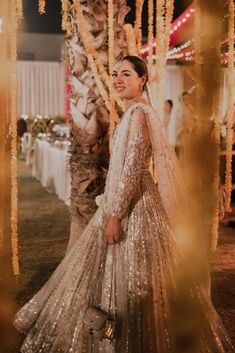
x=90 y=116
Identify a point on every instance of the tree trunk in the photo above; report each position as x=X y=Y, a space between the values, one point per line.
x=90 y=147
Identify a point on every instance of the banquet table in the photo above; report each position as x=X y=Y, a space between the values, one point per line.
x=51 y=167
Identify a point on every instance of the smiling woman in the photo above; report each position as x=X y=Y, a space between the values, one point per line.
x=129 y=77
x=125 y=270
x=126 y=266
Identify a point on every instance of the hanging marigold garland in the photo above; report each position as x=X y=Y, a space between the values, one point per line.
x=42 y=7
x=168 y=21
x=197 y=58
x=229 y=134
x=19 y=9
x=111 y=57
x=164 y=14
x=216 y=181
x=94 y=61
x=138 y=20
x=160 y=10
x=111 y=35
x=216 y=135
x=65 y=24
x=150 y=37
x=130 y=39
x=13 y=119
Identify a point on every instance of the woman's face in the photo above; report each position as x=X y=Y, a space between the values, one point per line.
x=126 y=81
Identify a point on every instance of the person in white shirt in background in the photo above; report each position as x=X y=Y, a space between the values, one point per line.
x=168 y=106
x=184 y=123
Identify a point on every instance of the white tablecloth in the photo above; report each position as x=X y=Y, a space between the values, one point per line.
x=51 y=168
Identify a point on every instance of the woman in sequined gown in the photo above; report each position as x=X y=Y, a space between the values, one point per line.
x=126 y=260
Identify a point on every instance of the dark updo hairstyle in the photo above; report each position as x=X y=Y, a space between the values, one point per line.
x=170 y=102
x=138 y=65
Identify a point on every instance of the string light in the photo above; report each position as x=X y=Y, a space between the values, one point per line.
x=179 y=48
x=188 y=15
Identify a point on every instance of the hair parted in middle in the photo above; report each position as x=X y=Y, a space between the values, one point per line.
x=138 y=65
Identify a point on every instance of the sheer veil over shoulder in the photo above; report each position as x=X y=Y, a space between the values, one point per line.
x=134 y=279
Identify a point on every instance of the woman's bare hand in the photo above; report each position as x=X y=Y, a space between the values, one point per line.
x=112 y=230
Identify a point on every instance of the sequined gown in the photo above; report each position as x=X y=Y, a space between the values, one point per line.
x=133 y=280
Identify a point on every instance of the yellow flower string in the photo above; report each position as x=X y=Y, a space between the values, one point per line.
x=197 y=57
x=111 y=35
x=13 y=119
x=159 y=66
x=160 y=6
x=138 y=20
x=19 y=9
x=93 y=58
x=229 y=135
x=130 y=39
x=111 y=58
x=164 y=14
x=42 y=7
x=168 y=20
x=216 y=137
x=4 y=125
x=159 y=37
x=216 y=181
x=150 y=37
x=65 y=15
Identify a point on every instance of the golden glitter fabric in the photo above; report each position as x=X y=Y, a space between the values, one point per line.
x=132 y=280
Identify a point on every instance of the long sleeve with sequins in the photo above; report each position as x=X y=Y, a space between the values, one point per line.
x=138 y=139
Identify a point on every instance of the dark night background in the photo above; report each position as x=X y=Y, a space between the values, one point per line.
x=51 y=21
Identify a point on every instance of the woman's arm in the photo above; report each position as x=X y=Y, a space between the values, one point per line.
x=138 y=138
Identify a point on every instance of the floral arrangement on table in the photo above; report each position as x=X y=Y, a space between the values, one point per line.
x=42 y=124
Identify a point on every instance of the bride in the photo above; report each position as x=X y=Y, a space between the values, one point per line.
x=126 y=261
